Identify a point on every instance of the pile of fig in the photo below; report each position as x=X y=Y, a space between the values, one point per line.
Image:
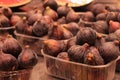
x=14 y=57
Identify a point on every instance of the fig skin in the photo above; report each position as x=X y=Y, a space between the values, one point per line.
x=113 y=26
x=76 y=52
x=111 y=16
x=62 y=20
x=86 y=35
x=112 y=8
x=40 y=28
x=11 y=46
x=71 y=42
x=8 y=62
x=111 y=37
x=63 y=10
x=92 y=57
x=51 y=13
x=101 y=16
x=109 y=50
x=54 y=47
x=14 y=19
x=27 y=58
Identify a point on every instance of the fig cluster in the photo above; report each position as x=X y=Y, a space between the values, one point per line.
x=14 y=57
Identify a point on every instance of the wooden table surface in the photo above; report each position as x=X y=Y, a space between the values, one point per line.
x=39 y=71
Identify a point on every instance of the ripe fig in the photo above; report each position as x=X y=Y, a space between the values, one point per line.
x=21 y=25
x=51 y=3
x=86 y=35
x=63 y=10
x=92 y=57
x=11 y=46
x=14 y=19
x=109 y=50
x=72 y=27
x=51 y=13
x=40 y=28
x=111 y=16
x=71 y=42
x=7 y=62
x=101 y=26
x=33 y=18
x=117 y=33
x=27 y=58
x=101 y=16
x=118 y=17
x=88 y=16
x=63 y=55
x=47 y=19
x=4 y=21
x=113 y=26
x=111 y=37
x=28 y=30
x=7 y=11
x=112 y=8
x=72 y=16
x=62 y=20
x=76 y=52
x=54 y=47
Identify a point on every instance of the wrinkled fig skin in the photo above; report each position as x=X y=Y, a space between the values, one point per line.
x=40 y=28
x=8 y=62
x=111 y=37
x=54 y=47
x=27 y=58
x=71 y=42
x=76 y=52
x=86 y=35
x=111 y=16
x=92 y=57
x=11 y=46
x=101 y=16
x=109 y=51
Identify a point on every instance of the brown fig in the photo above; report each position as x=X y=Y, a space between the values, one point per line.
x=51 y=3
x=7 y=62
x=1 y=42
x=109 y=50
x=27 y=58
x=62 y=20
x=63 y=10
x=11 y=46
x=21 y=25
x=76 y=52
x=33 y=18
x=47 y=19
x=112 y=8
x=111 y=16
x=86 y=35
x=92 y=57
x=7 y=11
x=14 y=19
x=4 y=21
x=40 y=28
x=72 y=16
x=63 y=55
x=113 y=26
x=51 y=13
x=72 y=27
x=101 y=16
x=118 y=17
x=54 y=47
x=28 y=30
x=88 y=16
x=111 y=37
x=101 y=26
x=71 y=42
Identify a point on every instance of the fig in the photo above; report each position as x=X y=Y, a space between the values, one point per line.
x=72 y=27
x=63 y=10
x=51 y=13
x=14 y=19
x=11 y=46
x=88 y=16
x=111 y=16
x=62 y=20
x=100 y=26
x=113 y=26
x=1 y=42
x=101 y=16
x=76 y=52
x=7 y=62
x=27 y=58
x=111 y=37
x=21 y=25
x=72 y=16
x=51 y=3
x=86 y=35
x=98 y=8
x=7 y=11
x=71 y=42
x=4 y=21
x=33 y=18
x=63 y=55
x=109 y=50
x=92 y=57
x=112 y=8
x=40 y=28
x=59 y=32
x=54 y=47
x=117 y=33
x=28 y=30
x=48 y=20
